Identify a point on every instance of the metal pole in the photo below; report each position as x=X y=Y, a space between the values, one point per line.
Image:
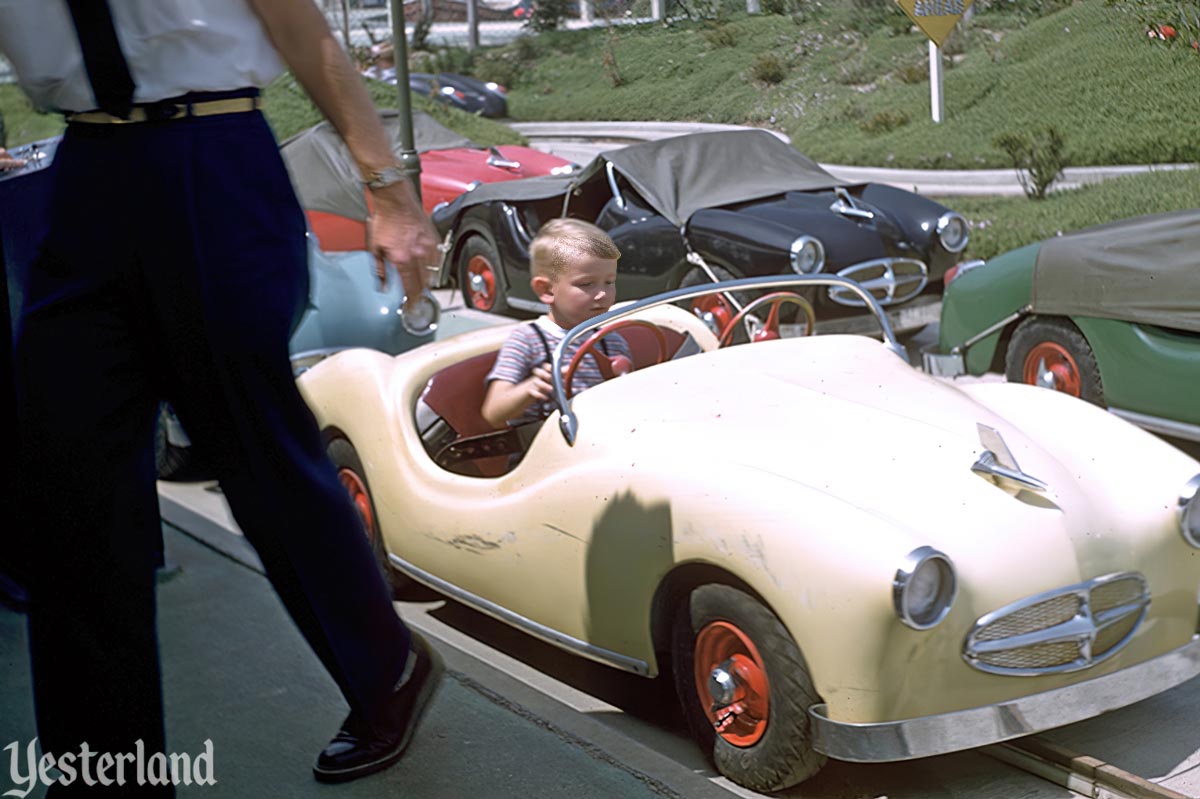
x=410 y=162
x=472 y=27
x=935 y=82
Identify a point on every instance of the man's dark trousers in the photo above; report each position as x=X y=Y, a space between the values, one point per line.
x=174 y=269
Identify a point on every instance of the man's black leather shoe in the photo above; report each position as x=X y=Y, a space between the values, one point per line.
x=360 y=749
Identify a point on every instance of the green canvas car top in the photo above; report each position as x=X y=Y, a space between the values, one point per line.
x=1143 y=270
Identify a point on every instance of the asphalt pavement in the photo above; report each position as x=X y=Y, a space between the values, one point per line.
x=237 y=672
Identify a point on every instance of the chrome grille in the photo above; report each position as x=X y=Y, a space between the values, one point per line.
x=889 y=280
x=1066 y=629
x=1056 y=610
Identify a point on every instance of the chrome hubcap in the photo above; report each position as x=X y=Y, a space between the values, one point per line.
x=1046 y=378
x=478 y=284
x=722 y=684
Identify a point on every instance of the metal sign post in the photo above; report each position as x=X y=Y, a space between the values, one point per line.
x=935 y=81
x=937 y=19
x=410 y=162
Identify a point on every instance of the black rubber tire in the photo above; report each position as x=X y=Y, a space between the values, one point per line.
x=344 y=456
x=478 y=245
x=172 y=462
x=784 y=756
x=1038 y=329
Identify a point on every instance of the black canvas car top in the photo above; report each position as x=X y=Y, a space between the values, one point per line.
x=683 y=174
x=1144 y=270
x=325 y=175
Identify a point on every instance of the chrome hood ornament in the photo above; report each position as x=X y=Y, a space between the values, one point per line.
x=998 y=464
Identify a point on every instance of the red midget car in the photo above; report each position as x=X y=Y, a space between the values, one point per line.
x=331 y=192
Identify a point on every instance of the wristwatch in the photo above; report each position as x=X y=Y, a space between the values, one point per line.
x=382 y=178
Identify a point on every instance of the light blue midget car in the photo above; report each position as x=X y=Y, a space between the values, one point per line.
x=346 y=308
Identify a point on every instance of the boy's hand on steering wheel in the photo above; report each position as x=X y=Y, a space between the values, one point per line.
x=540 y=384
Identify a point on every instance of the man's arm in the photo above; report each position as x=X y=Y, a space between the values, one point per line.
x=399 y=231
x=7 y=161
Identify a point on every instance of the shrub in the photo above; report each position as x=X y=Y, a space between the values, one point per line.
x=776 y=7
x=526 y=48
x=609 y=61
x=1038 y=160
x=883 y=122
x=913 y=73
x=720 y=36
x=768 y=68
x=549 y=14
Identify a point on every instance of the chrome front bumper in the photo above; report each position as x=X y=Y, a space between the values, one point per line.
x=979 y=726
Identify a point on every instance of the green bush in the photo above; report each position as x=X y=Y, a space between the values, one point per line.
x=913 y=73
x=768 y=68
x=720 y=35
x=884 y=122
x=548 y=15
x=1038 y=159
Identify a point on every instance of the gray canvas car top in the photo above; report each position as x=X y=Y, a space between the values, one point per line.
x=1141 y=270
x=326 y=177
x=681 y=175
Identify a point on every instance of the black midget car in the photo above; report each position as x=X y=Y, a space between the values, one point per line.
x=713 y=206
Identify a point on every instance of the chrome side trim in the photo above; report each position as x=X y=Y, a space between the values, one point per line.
x=505 y=615
x=1157 y=424
x=989 y=330
x=979 y=726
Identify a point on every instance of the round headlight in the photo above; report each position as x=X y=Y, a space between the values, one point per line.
x=924 y=588
x=422 y=318
x=1189 y=511
x=808 y=255
x=952 y=231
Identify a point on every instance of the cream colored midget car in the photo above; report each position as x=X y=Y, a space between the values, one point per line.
x=836 y=555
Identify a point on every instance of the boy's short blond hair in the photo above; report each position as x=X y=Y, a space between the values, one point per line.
x=561 y=240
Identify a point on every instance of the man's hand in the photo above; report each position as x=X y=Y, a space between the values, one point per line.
x=400 y=233
x=8 y=162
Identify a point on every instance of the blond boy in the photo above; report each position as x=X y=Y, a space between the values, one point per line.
x=573 y=267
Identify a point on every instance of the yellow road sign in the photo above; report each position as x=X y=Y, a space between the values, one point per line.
x=936 y=17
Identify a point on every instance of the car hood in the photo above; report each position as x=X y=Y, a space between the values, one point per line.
x=843 y=416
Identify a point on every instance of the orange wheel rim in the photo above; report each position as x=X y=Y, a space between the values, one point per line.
x=357 y=490
x=1051 y=365
x=481 y=283
x=743 y=717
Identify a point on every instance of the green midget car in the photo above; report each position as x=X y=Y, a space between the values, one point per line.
x=1110 y=314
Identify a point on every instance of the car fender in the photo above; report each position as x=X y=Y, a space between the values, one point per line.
x=1145 y=369
x=982 y=297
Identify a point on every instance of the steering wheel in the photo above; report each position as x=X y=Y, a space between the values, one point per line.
x=618 y=365
x=770 y=328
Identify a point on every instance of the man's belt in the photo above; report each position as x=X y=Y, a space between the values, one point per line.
x=162 y=112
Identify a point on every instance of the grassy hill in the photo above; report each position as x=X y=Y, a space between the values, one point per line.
x=851 y=86
x=848 y=81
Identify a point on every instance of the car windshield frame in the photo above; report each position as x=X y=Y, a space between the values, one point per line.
x=569 y=423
